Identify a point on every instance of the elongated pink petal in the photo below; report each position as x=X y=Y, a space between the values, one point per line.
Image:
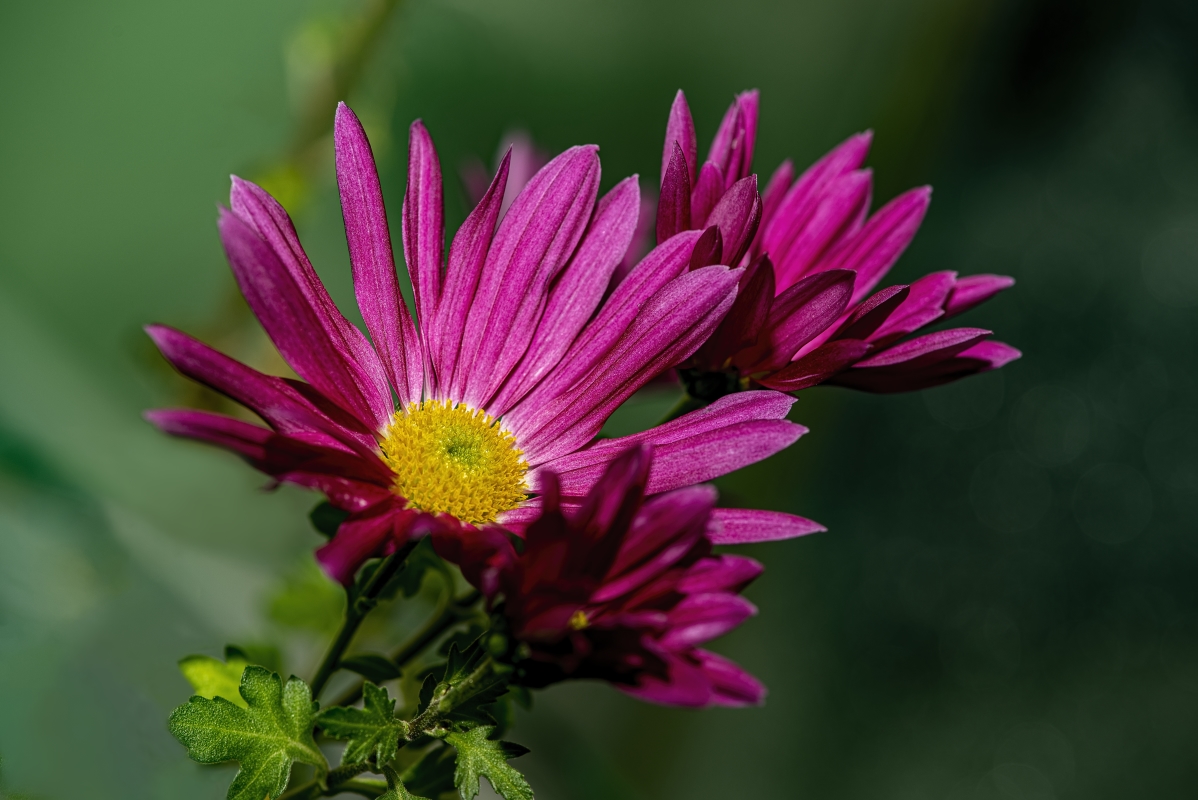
x=732 y=428
x=933 y=369
x=467 y=255
x=836 y=218
x=878 y=245
x=282 y=457
x=707 y=191
x=365 y=535
x=702 y=617
x=533 y=243
x=722 y=573
x=797 y=316
x=923 y=305
x=709 y=249
x=578 y=291
x=746 y=526
x=271 y=398
x=674 y=202
x=742 y=327
x=730 y=684
x=680 y=130
x=737 y=215
x=664 y=263
x=732 y=147
x=665 y=530
x=375 y=284
x=424 y=224
x=866 y=318
x=973 y=290
x=771 y=199
x=303 y=329
x=668 y=330
x=817 y=366
x=929 y=348
x=805 y=193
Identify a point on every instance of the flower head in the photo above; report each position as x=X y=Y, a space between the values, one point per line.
x=621 y=589
x=515 y=358
x=806 y=312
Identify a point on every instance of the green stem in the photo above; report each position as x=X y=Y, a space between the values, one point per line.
x=449 y=614
x=355 y=613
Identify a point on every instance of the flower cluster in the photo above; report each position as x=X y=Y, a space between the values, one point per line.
x=475 y=420
x=806 y=312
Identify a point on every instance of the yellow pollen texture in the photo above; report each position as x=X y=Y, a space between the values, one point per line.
x=579 y=620
x=454 y=460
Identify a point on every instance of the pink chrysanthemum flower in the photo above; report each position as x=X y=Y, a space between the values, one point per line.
x=516 y=363
x=621 y=589
x=805 y=313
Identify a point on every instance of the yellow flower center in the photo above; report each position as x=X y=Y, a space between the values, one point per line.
x=454 y=460
x=579 y=621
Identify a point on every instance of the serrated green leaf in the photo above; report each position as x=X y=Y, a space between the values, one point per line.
x=480 y=756
x=212 y=678
x=396 y=789
x=372 y=731
x=268 y=735
x=372 y=667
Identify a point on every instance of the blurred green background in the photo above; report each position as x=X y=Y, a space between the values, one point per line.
x=1006 y=604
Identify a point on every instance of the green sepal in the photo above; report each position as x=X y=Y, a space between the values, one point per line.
x=396 y=789
x=372 y=667
x=327 y=518
x=480 y=756
x=268 y=735
x=373 y=731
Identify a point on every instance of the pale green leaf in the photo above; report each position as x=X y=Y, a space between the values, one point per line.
x=213 y=678
x=268 y=735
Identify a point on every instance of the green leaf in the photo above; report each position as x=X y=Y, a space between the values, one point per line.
x=266 y=737
x=395 y=788
x=372 y=731
x=372 y=667
x=212 y=678
x=327 y=518
x=480 y=756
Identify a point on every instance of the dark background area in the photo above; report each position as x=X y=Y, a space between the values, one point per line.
x=1005 y=604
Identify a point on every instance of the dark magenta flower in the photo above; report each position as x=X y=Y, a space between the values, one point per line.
x=806 y=312
x=515 y=359
x=622 y=588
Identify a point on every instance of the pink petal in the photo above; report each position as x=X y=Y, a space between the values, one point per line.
x=424 y=224
x=533 y=243
x=707 y=192
x=664 y=263
x=817 y=366
x=835 y=218
x=578 y=291
x=289 y=301
x=805 y=193
x=746 y=526
x=737 y=214
x=680 y=131
x=375 y=284
x=668 y=330
x=797 y=316
x=878 y=245
x=674 y=203
x=730 y=685
x=467 y=255
x=923 y=305
x=771 y=199
x=742 y=327
x=973 y=290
